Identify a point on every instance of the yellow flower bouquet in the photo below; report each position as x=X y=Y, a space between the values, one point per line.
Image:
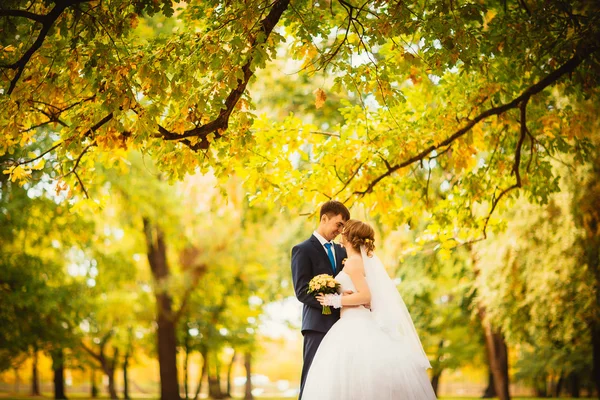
x=323 y=284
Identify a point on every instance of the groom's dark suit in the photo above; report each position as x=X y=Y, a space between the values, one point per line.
x=310 y=259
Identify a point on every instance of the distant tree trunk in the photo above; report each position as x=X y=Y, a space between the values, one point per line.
x=559 y=384
x=125 y=377
x=229 y=373
x=589 y=219
x=541 y=387
x=596 y=348
x=590 y=388
x=186 y=364
x=108 y=366
x=498 y=356
x=110 y=372
x=248 y=365
x=35 y=380
x=435 y=381
x=437 y=368
x=490 y=390
x=167 y=340
x=58 y=366
x=214 y=382
x=218 y=375
x=574 y=385
x=17 y=380
x=204 y=372
x=495 y=346
x=94 y=392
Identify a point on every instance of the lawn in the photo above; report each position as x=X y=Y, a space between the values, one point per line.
x=258 y=398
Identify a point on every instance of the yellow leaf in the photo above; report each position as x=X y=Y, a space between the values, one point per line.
x=18 y=174
x=320 y=98
x=489 y=16
x=39 y=165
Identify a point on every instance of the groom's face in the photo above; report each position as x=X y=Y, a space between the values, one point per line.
x=332 y=226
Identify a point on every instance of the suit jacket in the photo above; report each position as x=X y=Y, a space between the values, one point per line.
x=310 y=259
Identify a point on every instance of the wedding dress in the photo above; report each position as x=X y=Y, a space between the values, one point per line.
x=370 y=355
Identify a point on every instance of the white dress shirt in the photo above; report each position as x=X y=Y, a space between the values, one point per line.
x=323 y=241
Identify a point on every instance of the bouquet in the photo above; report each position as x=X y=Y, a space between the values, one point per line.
x=323 y=284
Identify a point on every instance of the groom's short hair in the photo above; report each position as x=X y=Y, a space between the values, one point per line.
x=333 y=208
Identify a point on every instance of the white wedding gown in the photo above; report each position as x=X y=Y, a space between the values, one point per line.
x=357 y=360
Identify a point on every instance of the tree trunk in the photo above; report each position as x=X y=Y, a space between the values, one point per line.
x=596 y=353
x=214 y=382
x=214 y=387
x=167 y=340
x=110 y=372
x=498 y=357
x=248 y=365
x=203 y=372
x=35 y=380
x=590 y=386
x=218 y=375
x=229 y=373
x=495 y=346
x=108 y=366
x=490 y=390
x=437 y=367
x=559 y=385
x=58 y=365
x=17 y=380
x=541 y=387
x=435 y=381
x=125 y=377
x=186 y=364
x=574 y=385
x=94 y=392
x=589 y=219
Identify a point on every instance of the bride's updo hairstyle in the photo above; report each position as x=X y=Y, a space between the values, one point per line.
x=357 y=233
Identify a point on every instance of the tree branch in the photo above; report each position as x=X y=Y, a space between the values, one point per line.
x=516 y=166
x=220 y=123
x=47 y=21
x=94 y=128
x=22 y=13
x=91 y=352
x=566 y=68
x=74 y=170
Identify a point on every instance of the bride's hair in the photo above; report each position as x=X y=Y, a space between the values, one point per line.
x=358 y=234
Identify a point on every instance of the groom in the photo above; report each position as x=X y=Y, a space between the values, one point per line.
x=315 y=256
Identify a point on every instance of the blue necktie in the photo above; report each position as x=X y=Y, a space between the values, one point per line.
x=330 y=255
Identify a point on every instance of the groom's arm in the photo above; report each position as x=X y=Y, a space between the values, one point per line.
x=301 y=276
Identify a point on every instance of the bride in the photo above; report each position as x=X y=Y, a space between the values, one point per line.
x=368 y=354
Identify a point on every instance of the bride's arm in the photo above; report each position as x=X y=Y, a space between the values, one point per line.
x=356 y=271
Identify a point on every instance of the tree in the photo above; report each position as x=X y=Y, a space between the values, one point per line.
x=441 y=85
x=41 y=301
x=438 y=290
x=535 y=293
x=586 y=216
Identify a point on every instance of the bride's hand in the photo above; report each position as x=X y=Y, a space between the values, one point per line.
x=321 y=299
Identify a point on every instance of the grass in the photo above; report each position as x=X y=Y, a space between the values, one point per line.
x=257 y=398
